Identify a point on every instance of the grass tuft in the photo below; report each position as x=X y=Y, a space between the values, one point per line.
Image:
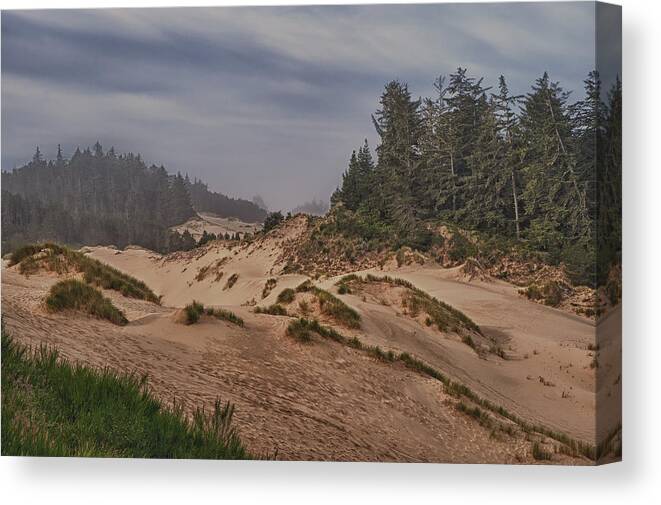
x=52 y=407
x=193 y=312
x=76 y=295
x=225 y=315
x=274 y=310
x=286 y=296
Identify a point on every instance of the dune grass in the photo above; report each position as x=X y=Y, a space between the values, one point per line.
x=193 y=312
x=439 y=313
x=285 y=296
x=225 y=315
x=76 y=295
x=303 y=330
x=60 y=259
x=52 y=407
x=275 y=310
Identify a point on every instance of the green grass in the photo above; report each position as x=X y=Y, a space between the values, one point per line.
x=274 y=310
x=439 y=313
x=193 y=312
x=330 y=305
x=287 y=295
x=301 y=330
x=333 y=307
x=52 y=407
x=225 y=315
x=61 y=260
x=73 y=294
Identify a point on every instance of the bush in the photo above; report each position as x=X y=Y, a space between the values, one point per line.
x=52 y=407
x=193 y=312
x=272 y=220
x=462 y=248
x=300 y=330
x=286 y=296
x=334 y=307
x=343 y=289
x=76 y=295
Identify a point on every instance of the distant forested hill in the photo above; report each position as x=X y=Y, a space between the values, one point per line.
x=204 y=200
x=100 y=197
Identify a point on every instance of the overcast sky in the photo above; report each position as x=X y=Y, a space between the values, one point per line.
x=267 y=101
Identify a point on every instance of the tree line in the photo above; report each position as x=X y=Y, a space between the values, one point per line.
x=99 y=197
x=533 y=169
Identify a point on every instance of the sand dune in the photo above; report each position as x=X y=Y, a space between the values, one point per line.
x=216 y=225
x=326 y=401
x=321 y=401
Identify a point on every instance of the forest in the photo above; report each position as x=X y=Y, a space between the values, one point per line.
x=99 y=197
x=535 y=170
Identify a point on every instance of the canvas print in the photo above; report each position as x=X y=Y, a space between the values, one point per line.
x=383 y=233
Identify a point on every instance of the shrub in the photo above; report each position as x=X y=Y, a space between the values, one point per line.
x=286 y=296
x=300 y=330
x=337 y=309
x=272 y=220
x=305 y=286
x=76 y=295
x=193 y=311
x=462 y=248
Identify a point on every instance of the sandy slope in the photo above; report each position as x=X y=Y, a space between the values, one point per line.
x=321 y=401
x=325 y=401
x=539 y=341
x=178 y=276
x=216 y=225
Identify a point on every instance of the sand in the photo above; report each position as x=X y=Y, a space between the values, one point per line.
x=215 y=224
x=326 y=401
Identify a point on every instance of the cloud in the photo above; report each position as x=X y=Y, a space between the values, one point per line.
x=259 y=100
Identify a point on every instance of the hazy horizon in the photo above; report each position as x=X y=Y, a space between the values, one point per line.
x=260 y=100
